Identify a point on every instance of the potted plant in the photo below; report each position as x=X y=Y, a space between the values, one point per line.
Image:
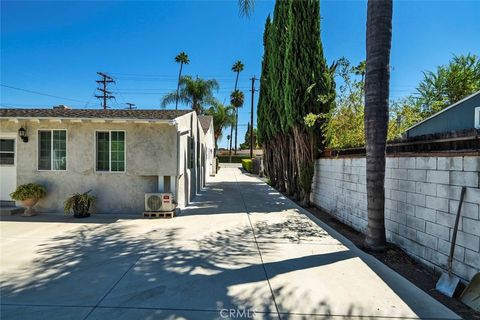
x=327 y=152
x=79 y=204
x=28 y=195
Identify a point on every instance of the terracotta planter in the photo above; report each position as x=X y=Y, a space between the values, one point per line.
x=28 y=205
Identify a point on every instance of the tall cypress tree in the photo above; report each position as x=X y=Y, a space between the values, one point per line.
x=295 y=81
x=308 y=86
x=263 y=98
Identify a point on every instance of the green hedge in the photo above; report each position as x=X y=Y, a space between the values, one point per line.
x=235 y=159
x=247 y=164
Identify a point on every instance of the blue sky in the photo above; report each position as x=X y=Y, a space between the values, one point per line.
x=57 y=47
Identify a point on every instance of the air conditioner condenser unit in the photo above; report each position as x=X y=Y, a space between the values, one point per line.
x=159 y=202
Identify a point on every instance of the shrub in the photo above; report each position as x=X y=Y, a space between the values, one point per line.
x=28 y=191
x=235 y=159
x=79 y=203
x=247 y=164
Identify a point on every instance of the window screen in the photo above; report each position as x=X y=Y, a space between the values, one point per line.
x=52 y=150
x=7 y=152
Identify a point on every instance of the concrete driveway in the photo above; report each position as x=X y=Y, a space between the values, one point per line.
x=240 y=251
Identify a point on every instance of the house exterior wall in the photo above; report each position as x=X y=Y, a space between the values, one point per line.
x=188 y=179
x=422 y=196
x=459 y=117
x=210 y=152
x=151 y=151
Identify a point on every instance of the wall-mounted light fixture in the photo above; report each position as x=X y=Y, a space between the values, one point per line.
x=22 y=132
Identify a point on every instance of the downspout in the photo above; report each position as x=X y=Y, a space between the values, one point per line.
x=177 y=177
x=174 y=123
x=177 y=184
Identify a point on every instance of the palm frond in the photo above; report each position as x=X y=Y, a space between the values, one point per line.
x=238 y=66
x=245 y=7
x=171 y=98
x=182 y=57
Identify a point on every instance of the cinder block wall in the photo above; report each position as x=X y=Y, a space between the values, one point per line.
x=422 y=196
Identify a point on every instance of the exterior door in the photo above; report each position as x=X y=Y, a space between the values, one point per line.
x=8 y=169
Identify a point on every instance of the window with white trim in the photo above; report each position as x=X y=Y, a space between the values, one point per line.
x=7 y=152
x=52 y=150
x=477 y=118
x=110 y=150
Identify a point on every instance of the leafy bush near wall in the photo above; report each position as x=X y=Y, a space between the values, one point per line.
x=235 y=159
x=28 y=191
x=247 y=164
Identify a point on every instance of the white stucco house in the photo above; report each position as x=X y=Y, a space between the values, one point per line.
x=119 y=154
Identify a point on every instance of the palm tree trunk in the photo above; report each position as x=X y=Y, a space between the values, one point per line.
x=195 y=106
x=236 y=128
x=236 y=115
x=178 y=85
x=377 y=81
x=236 y=80
x=231 y=128
x=231 y=138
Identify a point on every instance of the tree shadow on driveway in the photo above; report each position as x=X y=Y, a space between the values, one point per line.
x=111 y=268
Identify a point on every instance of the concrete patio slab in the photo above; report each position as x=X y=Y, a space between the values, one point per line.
x=174 y=314
x=288 y=227
x=28 y=312
x=46 y=226
x=192 y=227
x=240 y=246
x=309 y=278
x=46 y=271
x=195 y=275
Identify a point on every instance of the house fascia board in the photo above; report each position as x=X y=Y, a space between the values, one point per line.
x=446 y=109
x=172 y=122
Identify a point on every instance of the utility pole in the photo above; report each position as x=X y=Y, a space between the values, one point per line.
x=131 y=106
x=251 y=118
x=105 y=94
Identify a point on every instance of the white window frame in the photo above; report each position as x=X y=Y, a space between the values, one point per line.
x=476 y=124
x=15 y=154
x=51 y=149
x=110 y=151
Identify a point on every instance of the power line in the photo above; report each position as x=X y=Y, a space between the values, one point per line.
x=33 y=106
x=153 y=75
x=156 y=89
x=41 y=93
x=91 y=97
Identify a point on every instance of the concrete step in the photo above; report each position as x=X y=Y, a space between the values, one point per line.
x=7 y=203
x=8 y=211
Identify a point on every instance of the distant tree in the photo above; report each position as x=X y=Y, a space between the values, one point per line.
x=377 y=84
x=237 y=68
x=181 y=58
x=343 y=126
x=404 y=113
x=449 y=83
x=237 y=98
x=196 y=92
x=246 y=144
x=223 y=116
